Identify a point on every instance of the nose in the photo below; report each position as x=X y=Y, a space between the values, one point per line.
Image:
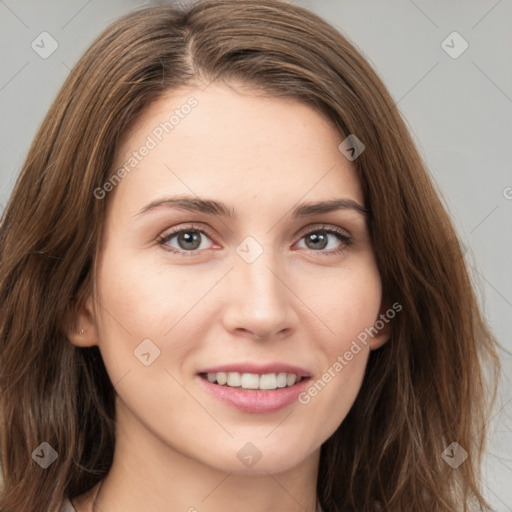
x=259 y=301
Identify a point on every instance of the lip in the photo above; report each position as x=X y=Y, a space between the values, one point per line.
x=254 y=400
x=260 y=369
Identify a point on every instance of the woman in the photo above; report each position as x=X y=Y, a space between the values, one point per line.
x=227 y=282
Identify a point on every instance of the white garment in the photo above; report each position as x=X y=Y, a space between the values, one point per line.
x=67 y=507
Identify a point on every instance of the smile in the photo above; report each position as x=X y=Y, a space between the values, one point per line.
x=253 y=380
x=247 y=392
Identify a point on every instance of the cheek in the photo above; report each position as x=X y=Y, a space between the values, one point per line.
x=347 y=303
x=145 y=335
x=350 y=309
x=331 y=395
x=141 y=300
x=144 y=297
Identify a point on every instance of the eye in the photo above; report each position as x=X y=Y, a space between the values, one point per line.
x=188 y=239
x=318 y=239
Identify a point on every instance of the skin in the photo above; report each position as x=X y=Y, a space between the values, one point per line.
x=297 y=302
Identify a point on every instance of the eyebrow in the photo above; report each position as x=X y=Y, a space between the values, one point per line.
x=219 y=209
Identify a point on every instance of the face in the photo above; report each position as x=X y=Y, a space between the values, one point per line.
x=188 y=296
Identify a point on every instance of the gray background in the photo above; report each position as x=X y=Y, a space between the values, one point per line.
x=458 y=109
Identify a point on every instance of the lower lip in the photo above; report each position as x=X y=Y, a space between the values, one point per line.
x=255 y=400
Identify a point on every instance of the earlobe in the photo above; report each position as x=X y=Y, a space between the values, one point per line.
x=383 y=327
x=379 y=340
x=83 y=331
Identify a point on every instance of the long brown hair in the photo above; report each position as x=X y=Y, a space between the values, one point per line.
x=424 y=389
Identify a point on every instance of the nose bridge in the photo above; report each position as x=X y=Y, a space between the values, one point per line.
x=259 y=299
x=258 y=267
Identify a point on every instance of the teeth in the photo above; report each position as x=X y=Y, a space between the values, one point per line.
x=253 y=380
x=268 y=381
x=250 y=380
x=281 y=380
x=290 y=379
x=233 y=380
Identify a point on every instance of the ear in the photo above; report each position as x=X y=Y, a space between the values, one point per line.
x=383 y=324
x=83 y=331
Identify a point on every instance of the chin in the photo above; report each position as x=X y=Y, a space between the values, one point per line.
x=254 y=458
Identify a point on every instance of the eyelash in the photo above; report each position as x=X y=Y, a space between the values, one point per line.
x=345 y=239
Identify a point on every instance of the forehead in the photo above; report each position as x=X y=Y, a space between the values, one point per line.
x=233 y=144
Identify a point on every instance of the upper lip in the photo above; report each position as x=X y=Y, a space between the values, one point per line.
x=260 y=369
